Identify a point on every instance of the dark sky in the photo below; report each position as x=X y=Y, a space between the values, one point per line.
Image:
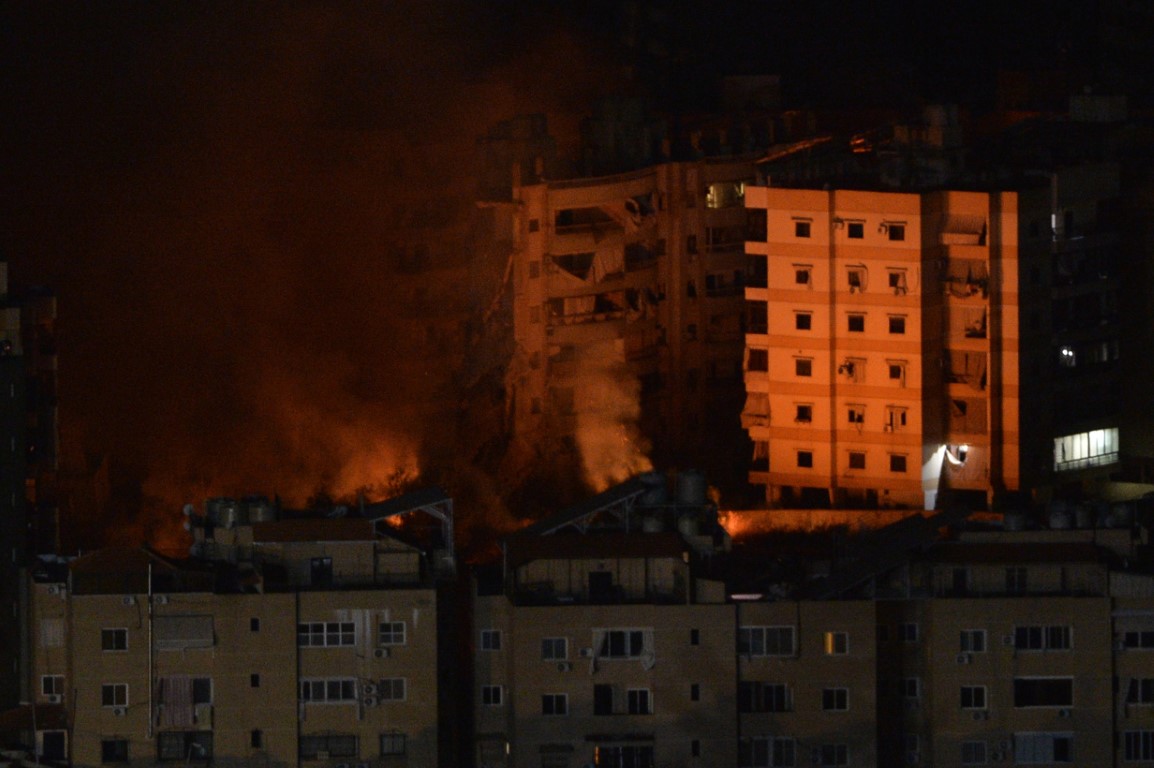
x=212 y=189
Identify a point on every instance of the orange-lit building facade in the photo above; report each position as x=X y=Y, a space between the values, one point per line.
x=628 y=289
x=907 y=346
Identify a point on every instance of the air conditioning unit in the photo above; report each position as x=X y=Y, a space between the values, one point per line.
x=1007 y=639
x=381 y=653
x=586 y=653
x=370 y=689
x=1064 y=713
x=963 y=658
x=564 y=666
x=997 y=756
x=369 y=702
x=54 y=698
x=160 y=599
x=55 y=589
x=1119 y=645
x=128 y=600
x=120 y=711
x=202 y=715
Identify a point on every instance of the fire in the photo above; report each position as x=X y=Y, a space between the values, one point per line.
x=758 y=522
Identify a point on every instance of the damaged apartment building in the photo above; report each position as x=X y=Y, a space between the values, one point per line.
x=943 y=339
x=629 y=315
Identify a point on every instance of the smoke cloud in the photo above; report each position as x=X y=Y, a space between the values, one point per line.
x=260 y=222
x=608 y=408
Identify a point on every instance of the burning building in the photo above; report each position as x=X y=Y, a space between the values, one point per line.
x=628 y=318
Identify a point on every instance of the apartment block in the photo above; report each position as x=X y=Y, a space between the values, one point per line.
x=628 y=316
x=604 y=640
x=915 y=347
x=296 y=642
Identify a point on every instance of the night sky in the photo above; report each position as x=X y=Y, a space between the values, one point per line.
x=211 y=188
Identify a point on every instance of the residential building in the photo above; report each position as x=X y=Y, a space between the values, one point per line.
x=291 y=641
x=604 y=639
x=628 y=319
x=912 y=347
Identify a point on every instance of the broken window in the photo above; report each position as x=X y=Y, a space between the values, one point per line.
x=968 y=415
x=967 y=368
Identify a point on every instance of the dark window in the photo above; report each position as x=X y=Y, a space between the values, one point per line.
x=254 y=680
x=254 y=625
x=321 y=571
x=856 y=323
x=855 y=230
x=805 y=459
x=756 y=224
x=1043 y=691
x=857 y=460
x=554 y=704
x=202 y=690
x=897 y=324
x=804 y=414
x=534 y=225
x=52 y=745
x=802 y=366
x=1016 y=584
x=114 y=639
x=897 y=463
x=639 y=701
x=758 y=360
x=803 y=321
x=835 y=699
x=602 y=699
x=601 y=586
x=897 y=231
x=897 y=371
x=256 y=738
x=801 y=229
x=694 y=692
x=764 y=697
x=801 y=276
x=1143 y=640
x=694 y=637
x=114 y=751
x=973 y=697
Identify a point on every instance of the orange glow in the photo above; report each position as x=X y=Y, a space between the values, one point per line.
x=755 y=522
x=607 y=399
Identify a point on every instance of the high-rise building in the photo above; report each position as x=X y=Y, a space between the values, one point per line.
x=628 y=318
x=912 y=345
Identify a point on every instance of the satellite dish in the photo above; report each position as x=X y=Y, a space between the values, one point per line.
x=188 y=510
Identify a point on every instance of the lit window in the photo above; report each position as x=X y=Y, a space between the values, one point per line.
x=836 y=643
x=1096 y=448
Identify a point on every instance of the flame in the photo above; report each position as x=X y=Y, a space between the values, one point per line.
x=759 y=522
